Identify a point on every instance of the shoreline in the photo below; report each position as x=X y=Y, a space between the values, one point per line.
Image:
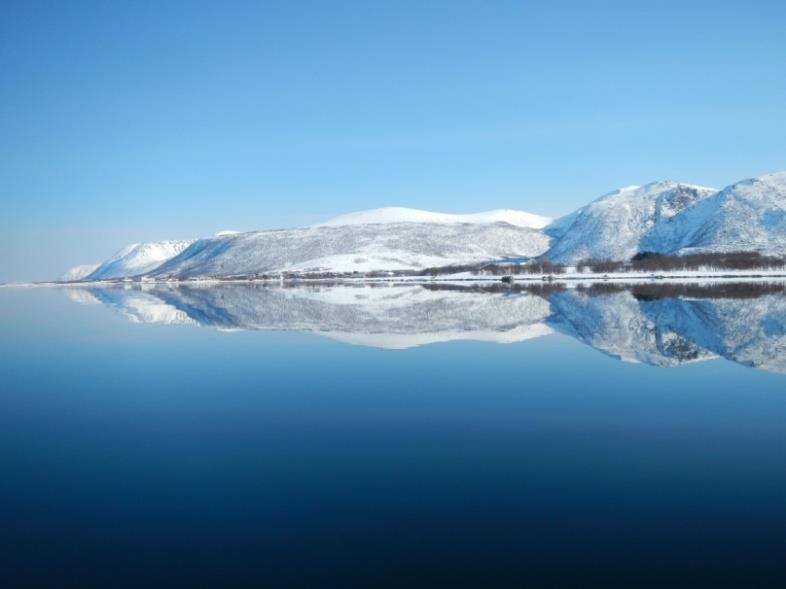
x=567 y=278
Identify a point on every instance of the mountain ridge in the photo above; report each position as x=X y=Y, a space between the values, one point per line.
x=386 y=215
x=665 y=217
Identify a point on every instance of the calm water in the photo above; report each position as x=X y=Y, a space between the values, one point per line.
x=336 y=436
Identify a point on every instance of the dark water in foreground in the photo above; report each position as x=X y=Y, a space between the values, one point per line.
x=392 y=437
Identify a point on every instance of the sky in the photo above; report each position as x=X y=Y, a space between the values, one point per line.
x=131 y=121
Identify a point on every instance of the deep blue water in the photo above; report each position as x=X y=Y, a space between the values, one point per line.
x=150 y=454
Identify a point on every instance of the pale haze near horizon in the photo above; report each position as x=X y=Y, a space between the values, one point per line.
x=177 y=120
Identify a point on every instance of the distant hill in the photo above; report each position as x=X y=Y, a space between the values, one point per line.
x=664 y=217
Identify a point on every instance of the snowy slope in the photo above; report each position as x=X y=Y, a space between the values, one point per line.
x=749 y=215
x=619 y=224
x=78 y=272
x=404 y=215
x=354 y=247
x=138 y=258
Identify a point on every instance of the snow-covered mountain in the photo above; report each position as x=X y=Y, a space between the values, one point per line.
x=665 y=217
x=673 y=218
x=356 y=246
x=78 y=272
x=620 y=224
x=749 y=215
x=137 y=259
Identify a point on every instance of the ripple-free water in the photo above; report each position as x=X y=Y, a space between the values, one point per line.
x=370 y=436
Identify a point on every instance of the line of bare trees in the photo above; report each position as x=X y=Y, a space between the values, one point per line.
x=654 y=262
x=539 y=266
x=642 y=262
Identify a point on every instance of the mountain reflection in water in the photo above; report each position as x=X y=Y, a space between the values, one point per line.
x=661 y=324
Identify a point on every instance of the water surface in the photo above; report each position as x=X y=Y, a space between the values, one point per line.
x=371 y=436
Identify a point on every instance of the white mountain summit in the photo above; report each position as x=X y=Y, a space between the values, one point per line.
x=615 y=226
x=749 y=215
x=404 y=215
x=78 y=272
x=137 y=259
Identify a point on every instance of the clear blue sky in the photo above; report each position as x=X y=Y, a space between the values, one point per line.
x=126 y=121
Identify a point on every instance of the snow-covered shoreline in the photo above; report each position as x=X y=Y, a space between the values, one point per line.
x=463 y=277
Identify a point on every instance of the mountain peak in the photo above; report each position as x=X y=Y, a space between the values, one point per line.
x=78 y=272
x=406 y=215
x=749 y=215
x=138 y=258
x=613 y=226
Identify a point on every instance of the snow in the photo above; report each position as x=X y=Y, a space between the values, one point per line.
x=138 y=258
x=672 y=218
x=749 y=215
x=355 y=247
x=405 y=215
x=78 y=272
x=620 y=224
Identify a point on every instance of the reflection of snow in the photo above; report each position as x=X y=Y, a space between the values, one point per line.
x=672 y=331
x=659 y=331
x=151 y=310
x=81 y=296
x=401 y=341
x=385 y=316
x=750 y=332
x=615 y=324
x=138 y=305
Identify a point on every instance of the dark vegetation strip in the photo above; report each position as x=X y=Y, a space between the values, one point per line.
x=642 y=262
x=673 y=290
